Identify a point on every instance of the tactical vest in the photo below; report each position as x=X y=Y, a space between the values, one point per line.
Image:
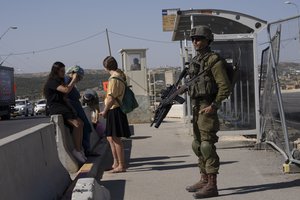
x=206 y=86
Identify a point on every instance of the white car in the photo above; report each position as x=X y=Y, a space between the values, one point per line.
x=40 y=107
x=23 y=107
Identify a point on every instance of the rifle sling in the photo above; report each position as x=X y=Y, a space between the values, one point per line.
x=190 y=82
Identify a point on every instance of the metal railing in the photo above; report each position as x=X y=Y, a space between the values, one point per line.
x=280 y=88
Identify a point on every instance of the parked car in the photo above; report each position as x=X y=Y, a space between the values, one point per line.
x=41 y=107
x=23 y=107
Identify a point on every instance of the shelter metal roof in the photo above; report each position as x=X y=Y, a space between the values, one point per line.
x=220 y=21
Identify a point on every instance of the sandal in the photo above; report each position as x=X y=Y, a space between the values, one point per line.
x=116 y=171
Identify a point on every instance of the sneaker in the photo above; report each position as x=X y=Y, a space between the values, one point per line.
x=78 y=156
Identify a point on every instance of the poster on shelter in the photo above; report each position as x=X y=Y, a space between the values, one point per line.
x=135 y=62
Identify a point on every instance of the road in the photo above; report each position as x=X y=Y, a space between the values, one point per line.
x=291 y=108
x=161 y=164
x=18 y=124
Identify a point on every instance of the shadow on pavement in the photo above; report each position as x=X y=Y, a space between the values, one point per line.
x=139 y=137
x=261 y=188
x=237 y=147
x=160 y=163
x=145 y=159
x=116 y=187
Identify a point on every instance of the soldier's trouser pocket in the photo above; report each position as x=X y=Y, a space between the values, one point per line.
x=208 y=123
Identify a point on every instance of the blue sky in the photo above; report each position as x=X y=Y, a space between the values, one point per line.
x=43 y=24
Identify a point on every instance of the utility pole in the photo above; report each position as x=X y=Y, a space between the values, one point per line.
x=108 y=43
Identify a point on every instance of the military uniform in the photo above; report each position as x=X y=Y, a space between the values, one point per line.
x=211 y=89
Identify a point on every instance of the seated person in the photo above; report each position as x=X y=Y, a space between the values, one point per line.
x=91 y=98
x=55 y=91
x=74 y=99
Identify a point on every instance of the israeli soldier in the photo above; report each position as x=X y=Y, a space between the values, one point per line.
x=207 y=94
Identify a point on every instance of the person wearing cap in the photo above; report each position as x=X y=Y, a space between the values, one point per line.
x=74 y=99
x=206 y=95
x=91 y=98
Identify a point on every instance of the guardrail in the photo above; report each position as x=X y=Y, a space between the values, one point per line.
x=35 y=164
x=30 y=167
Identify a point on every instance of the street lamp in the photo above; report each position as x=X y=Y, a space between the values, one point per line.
x=291 y=3
x=297 y=7
x=12 y=27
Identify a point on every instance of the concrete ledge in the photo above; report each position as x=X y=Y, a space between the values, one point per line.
x=30 y=167
x=94 y=138
x=89 y=189
x=176 y=111
x=94 y=168
x=65 y=144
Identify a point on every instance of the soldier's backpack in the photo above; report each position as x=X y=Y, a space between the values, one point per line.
x=232 y=70
x=129 y=102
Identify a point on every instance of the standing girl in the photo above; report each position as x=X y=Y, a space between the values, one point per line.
x=116 y=123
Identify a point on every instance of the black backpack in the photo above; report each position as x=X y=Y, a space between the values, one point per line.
x=233 y=72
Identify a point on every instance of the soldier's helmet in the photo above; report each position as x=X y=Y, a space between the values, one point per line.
x=202 y=31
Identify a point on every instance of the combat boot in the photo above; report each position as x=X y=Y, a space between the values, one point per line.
x=210 y=190
x=199 y=185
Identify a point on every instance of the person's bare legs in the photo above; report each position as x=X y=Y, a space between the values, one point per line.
x=120 y=154
x=114 y=152
x=77 y=133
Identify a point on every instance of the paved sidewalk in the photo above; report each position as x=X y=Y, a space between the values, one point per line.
x=161 y=164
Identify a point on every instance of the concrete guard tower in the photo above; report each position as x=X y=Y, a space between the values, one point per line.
x=135 y=67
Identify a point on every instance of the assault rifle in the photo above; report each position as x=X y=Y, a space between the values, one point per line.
x=171 y=94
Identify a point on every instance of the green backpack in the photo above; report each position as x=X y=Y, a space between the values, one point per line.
x=129 y=102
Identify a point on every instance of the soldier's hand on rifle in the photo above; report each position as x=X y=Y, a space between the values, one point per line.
x=207 y=110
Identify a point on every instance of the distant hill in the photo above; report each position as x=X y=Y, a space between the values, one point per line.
x=31 y=85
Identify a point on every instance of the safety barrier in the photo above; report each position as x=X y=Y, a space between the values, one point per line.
x=89 y=188
x=65 y=142
x=30 y=167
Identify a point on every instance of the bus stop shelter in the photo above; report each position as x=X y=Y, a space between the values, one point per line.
x=235 y=40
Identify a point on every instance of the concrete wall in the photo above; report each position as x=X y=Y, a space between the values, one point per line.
x=30 y=167
x=65 y=143
x=89 y=188
x=142 y=114
x=94 y=135
x=176 y=111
